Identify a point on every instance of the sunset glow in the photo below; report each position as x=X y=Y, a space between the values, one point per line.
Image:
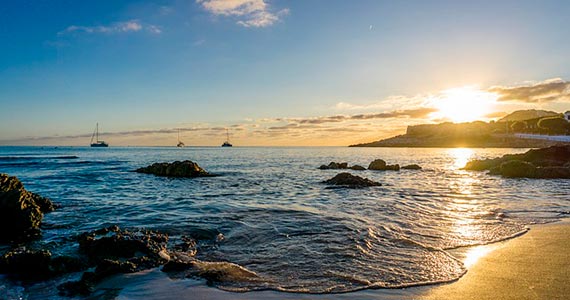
x=464 y=104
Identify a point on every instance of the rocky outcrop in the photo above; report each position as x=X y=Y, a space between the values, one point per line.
x=351 y=181
x=31 y=264
x=412 y=167
x=341 y=166
x=358 y=168
x=112 y=251
x=334 y=166
x=21 y=211
x=185 y=168
x=380 y=165
x=552 y=162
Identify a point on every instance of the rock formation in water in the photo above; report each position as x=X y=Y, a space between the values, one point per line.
x=380 y=165
x=21 y=211
x=334 y=166
x=112 y=251
x=351 y=181
x=185 y=168
x=412 y=167
x=550 y=163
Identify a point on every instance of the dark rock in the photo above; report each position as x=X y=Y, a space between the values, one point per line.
x=553 y=173
x=395 y=167
x=358 y=168
x=334 y=166
x=378 y=164
x=552 y=162
x=517 y=169
x=26 y=264
x=412 y=167
x=21 y=211
x=112 y=242
x=352 y=181
x=555 y=156
x=176 y=169
x=113 y=250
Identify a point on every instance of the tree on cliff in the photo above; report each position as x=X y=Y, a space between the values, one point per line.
x=554 y=125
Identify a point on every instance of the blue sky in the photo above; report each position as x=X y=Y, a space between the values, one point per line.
x=265 y=68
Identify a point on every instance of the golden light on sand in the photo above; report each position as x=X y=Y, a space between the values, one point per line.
x=474 y=254
x=464 y=104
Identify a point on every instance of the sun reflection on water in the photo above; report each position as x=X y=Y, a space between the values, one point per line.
x=460 y=156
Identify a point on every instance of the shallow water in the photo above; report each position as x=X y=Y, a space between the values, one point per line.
x=269 y=213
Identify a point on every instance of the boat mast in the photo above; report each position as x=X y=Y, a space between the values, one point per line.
x=97 y=130
x=227 y=135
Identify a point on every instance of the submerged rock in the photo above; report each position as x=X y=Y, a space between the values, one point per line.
x=412 y=167
x=185 y=168
x=21 y=211
x=552 y=162
x=351 y=181
x=211 y=271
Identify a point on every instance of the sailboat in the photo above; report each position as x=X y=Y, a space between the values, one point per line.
x=227 y=142
x=95 y=135
x=180 y=143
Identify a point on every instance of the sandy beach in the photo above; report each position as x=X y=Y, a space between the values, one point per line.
x=533 y=266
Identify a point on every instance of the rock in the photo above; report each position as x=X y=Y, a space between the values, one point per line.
x=211 y=271
x=549 y=163
x=378 y=164
x=517 y=169
x=553 y=173
x=334 y=166
x=554 y=156
x=113 y=250
x=25 y=264
x=351 y=181
x=395 y=167
x=21 y=211
x=358 y=168
x=176 y=169
x=412 y=167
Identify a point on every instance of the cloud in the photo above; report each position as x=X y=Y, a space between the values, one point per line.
x=410 y=113
x=551 y=90
x=249 y=13
x=114 y=28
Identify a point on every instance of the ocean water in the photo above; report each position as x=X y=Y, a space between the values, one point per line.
x=269 y=212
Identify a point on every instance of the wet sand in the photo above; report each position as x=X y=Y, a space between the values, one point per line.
x=533 y=266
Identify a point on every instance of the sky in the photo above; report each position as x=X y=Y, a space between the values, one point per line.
x=272 y=72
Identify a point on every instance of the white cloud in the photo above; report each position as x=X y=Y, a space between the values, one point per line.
x=117 y=27
x=250 y=13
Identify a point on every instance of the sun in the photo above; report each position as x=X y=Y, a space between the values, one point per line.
x=464 y=104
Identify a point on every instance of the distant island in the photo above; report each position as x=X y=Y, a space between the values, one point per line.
x=520 y=129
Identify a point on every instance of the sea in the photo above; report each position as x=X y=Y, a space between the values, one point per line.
x=269 y=212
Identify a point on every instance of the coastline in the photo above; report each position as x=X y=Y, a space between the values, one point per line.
x=535 y=265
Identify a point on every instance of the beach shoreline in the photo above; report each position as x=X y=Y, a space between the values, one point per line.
x=534 y=265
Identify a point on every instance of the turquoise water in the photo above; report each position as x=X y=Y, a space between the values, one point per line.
x=268 y=211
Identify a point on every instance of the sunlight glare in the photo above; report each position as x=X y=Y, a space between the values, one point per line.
x=464 y=104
